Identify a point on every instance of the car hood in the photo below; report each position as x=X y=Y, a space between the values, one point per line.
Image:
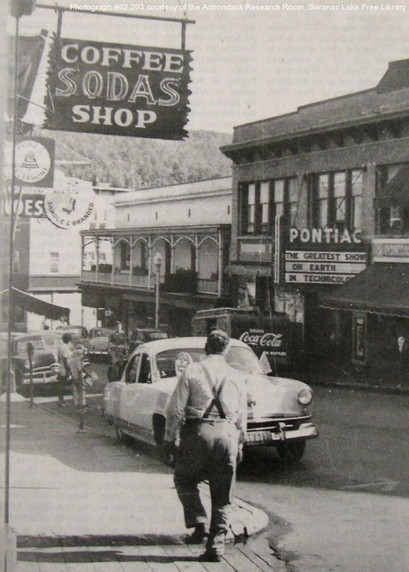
x=274 y=396
x=40 y=357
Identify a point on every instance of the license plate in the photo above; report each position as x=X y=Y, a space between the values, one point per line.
x=259 y=437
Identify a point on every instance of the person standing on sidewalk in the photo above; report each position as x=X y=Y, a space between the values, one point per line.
x=64 y=352
x=76 y=365
x=206 y=425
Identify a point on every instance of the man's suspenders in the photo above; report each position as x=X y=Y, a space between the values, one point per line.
x=216 y=396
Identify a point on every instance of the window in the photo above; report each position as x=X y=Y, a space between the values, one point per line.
x=340 y=199
x=265 y=206
x=356 y=199
x=337 y=199
x=251 y=209
x=293 y=199
x=392 y=220
x=323 y=196
x=54 y=261
x=125 y=256
x=265 y=200
x=278 y=197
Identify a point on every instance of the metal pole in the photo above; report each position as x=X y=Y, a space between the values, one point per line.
x=30 y=353
x=10 y=287
x=157 y=297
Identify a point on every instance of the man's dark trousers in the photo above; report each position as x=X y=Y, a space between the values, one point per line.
x=208 y=451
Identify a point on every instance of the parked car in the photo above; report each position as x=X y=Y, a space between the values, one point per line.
x=142 y=335
x=45 y=357
x=279 y=409
x=98 y=340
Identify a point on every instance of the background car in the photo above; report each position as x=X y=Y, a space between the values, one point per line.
x=98 y=340
x=45 y=357
x=279 y=409
x=142 y=335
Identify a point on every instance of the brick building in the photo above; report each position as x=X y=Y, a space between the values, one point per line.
x=320 y=221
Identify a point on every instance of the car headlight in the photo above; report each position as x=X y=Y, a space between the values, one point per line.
x=305 y=396
x=26 y=364
x=55 y=369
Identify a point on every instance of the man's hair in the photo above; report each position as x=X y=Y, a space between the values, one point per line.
x=66 y=338
x=217 y=342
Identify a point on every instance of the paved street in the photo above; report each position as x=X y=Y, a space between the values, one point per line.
x=344 y=507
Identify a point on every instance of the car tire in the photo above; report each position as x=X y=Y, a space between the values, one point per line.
x=291 y=452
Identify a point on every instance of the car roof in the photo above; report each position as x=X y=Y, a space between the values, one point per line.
x=197 y=342
x=41 y=333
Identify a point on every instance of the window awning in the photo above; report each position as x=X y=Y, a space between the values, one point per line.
x=396 y=191
x=380 y=289
x=30 y=303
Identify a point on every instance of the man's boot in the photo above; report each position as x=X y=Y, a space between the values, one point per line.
x=199 y=534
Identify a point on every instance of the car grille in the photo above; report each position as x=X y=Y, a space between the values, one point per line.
x=274 y=424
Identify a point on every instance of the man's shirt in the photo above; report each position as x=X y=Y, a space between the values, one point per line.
x=64 y=351
x=193 y=395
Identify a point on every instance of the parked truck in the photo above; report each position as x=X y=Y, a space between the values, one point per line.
x=276 y=340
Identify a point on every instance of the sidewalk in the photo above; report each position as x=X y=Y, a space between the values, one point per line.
x=79 y=500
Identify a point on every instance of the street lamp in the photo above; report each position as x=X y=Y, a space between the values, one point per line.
x=157 y=260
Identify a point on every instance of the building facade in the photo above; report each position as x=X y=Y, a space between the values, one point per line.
x=188 y=226
x=320 y=200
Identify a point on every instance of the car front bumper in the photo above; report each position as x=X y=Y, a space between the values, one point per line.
x=275 y=432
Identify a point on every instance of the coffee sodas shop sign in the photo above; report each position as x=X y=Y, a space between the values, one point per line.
x=117 y=89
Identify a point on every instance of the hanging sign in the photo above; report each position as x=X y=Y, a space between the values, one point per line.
x=34 y=161
x=117 y=89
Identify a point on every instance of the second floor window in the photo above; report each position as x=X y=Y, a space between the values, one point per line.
x=337 y=199
x=125 y=256
x=262 y=202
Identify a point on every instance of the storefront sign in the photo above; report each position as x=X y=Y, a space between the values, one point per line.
x=324 y=236
x=34 y=162
x=28 y=206
x=341 y=258
x=390 y=250
x=322 y=267
x=117 y=89
x=68 y=209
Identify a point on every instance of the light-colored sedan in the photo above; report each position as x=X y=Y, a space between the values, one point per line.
x=279 y=409
x=98 y=340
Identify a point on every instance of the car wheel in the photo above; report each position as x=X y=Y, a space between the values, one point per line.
x=292 y=452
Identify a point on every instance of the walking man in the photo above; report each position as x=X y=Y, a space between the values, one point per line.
x=64 y=354
x=207 y=419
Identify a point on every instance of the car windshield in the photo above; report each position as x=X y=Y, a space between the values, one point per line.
x=237 y=357
x=20 y=346
x=52 y=341
x=102 y=333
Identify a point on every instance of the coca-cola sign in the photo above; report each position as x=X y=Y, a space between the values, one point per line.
x=262 y=340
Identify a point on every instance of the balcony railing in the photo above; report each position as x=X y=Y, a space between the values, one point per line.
x=186 y=282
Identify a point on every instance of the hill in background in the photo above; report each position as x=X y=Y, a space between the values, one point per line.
x=141 y=163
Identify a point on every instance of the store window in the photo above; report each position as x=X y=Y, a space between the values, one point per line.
x=356 y=198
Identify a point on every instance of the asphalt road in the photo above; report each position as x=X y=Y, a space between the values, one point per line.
x=343 y=506
x=363 y=445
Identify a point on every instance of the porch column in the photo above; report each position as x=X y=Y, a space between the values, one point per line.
x=220 y=278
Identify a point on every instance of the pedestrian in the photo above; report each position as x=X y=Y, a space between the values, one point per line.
x=206 y=426
x=64 y=352
x=76 y=364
